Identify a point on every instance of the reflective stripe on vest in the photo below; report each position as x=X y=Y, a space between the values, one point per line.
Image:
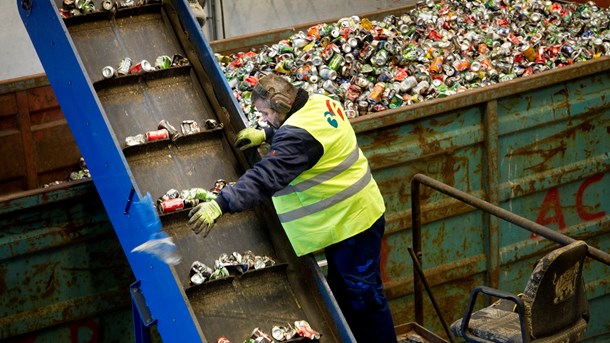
x=336 y=198
x=326 y=203
x=341 y=167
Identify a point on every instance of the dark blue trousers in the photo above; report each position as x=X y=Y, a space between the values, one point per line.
x=354 y=276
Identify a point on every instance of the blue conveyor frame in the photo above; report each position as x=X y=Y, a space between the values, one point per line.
x=113 y=178
x=159 y=298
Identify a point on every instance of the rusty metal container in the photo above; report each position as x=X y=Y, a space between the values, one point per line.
x=36 y=144
x=537 y=146
x=63 y=274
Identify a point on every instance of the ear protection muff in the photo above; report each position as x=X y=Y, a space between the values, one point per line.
x=279 y=101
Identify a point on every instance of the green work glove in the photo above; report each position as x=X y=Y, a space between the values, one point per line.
x=249 y=138
x=203 y=216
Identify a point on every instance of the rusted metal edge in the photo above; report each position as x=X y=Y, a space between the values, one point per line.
x=23 y=83
x=42 y=196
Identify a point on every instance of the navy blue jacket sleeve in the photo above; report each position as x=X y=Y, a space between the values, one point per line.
x=293 y=150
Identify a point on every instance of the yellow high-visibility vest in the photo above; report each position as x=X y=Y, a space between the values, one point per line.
x=337 y=198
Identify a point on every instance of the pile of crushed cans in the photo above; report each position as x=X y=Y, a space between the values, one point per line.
x=72 y=8
x=301 y=328
x=82 y=173
x=127 y=67
x=173 y=200
x=225 y=263
x=166 y=131
x=434 y=50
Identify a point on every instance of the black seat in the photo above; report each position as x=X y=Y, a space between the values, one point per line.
x=553 y=307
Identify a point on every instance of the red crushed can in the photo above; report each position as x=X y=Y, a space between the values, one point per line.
x=353 y=92
x=157 y=135
x=303 y=329
x=401 y=74
x=222 y=339
x=171 y=205
x=250 y=81
x=434 y=35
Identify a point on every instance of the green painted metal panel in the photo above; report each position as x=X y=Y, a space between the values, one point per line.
x=552 y=167
x=63 y=274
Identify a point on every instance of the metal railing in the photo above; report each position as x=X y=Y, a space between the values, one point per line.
x=486 y=207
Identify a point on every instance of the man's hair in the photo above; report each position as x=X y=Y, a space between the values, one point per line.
x=278 y=91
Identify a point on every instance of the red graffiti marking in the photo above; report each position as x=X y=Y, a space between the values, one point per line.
x=552 y=202
x=89 y=325
x=582 y=213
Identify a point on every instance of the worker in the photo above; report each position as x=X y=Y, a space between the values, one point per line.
x=324 y=195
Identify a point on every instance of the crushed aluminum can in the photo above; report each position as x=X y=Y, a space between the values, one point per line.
x=211 y=124
x=157 y=135
x=199 y=273
x=218 y=186
x=414 y=338
x=68 y=4
x=144 y=65
x=172 y=193
x=107 y=5
x=190 y=203
x=304 y=329
x=124 y=66
x=80 y=4
x=108 y=72
x=125 y=3
x=189 y=127
x=135 y=140
x=173 y=133
x=327 y=74
x=222 y=339
x=163 y=62
x=219 y=273
x=261 y=336
x=171 y=205
x=179 y=60
x=283 y=333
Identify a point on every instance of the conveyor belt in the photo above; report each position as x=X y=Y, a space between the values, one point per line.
x=114 y=109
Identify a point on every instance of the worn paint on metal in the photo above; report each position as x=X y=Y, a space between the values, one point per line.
x=35 y=140
x=537 y=146
x=61 y=266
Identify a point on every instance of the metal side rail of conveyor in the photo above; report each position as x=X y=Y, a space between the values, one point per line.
x=102 y=113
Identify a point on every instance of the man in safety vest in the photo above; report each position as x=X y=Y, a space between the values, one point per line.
x=323 y=193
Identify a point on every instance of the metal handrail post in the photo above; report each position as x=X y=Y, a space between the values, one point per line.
x=483 y=205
